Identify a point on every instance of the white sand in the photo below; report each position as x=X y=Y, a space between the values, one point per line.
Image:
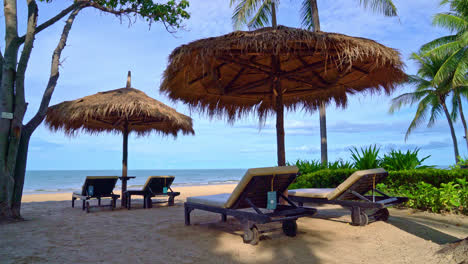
x=56 y=233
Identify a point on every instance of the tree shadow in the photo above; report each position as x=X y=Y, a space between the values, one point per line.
x=224 y=239
x=424 y=231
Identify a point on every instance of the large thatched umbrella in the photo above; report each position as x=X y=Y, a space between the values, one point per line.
x=267 y=69
x=122 y=110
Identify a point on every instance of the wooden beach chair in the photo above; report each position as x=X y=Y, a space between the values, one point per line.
x=97 y=187
x=258 y=188
x=352 y=194
x=154 y=186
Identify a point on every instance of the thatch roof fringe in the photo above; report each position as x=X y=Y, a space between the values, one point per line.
x=324 y=67
x=108 y=111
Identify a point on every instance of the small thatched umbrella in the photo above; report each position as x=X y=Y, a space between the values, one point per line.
x=267 y=69
x=122 y=110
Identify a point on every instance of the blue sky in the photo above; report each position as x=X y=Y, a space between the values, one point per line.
x=102 y=48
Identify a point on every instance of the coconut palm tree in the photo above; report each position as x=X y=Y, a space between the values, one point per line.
x=258 y=13
x=455 y=48
x=430 y=95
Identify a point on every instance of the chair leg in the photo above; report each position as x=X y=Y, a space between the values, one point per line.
x=129 y=201
x=223 y=217
x=149 y=202
x=187 y=210
x=171 y=200
x=99 y=201
x=84 y=203
x=73 y=202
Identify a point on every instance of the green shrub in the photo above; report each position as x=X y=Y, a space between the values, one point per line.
x=427 y=189
x=461 y=162
x=306 y=167
x=435 y=177
x=450 y=197
x=322 y=179
x=366 y=158
x=399 y=160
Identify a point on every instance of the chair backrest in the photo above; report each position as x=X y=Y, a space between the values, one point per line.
x=102 y=185
x=155 y=184
x=257 y=182
x=360 y=182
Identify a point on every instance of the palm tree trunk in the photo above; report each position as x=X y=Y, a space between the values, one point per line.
x=462 y=117
x=322 y=108
x=452 y=130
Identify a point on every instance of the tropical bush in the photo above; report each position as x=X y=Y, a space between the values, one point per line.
x=306 y=167
x=435 y=177
x=365 y=158
x=326 y=178
x=449 y=197
x=427 y=189
x=462 y=163
x=400 y=160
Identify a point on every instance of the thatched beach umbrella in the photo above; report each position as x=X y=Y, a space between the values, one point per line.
x=122 y=110
x=271 y=68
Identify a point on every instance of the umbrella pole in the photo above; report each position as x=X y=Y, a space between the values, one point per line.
x=277 y=91
x=124 y=163
x=280 y=129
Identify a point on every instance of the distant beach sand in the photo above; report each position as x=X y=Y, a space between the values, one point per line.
x=56 y=233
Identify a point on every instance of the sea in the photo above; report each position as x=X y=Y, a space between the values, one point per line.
x=63 y=181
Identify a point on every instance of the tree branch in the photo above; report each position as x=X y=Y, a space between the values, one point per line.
x=25 y=54
x=54 y=19
x=54 y=73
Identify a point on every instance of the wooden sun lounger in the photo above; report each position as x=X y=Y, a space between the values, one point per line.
x=97 y=187
x=251 y=192
x=153 y=187
x=352 y=194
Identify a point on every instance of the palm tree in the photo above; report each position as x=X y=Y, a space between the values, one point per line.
x=257 y=14
x=429 y=95
x=455 y=48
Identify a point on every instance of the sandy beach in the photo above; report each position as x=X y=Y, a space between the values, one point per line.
x=54 y=232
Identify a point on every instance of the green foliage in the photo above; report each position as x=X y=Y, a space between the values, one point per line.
x=432 y=176
x=449 y=197
x=171 y=13
x=427 y=189
x=399 y=160
x=453 y=47
x=367 y=158
x=322 y=179
x=461 y=162
x=306 y=167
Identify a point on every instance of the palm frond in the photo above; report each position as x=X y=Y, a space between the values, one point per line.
x=385 y=7
x=420 y=116
x=243 y=11
x=262 y=17
x=307 y=15
x=456 y=100
x=437 y=42
x=408 y=99
x=444 y=49
x=450 y=21
x=459 y=76
x=436 y=111
x=449 y=66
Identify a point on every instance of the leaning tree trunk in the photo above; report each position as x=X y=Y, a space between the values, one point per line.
x=462 y=117
x=18 y=141
x=322 y=108
x=452 y=130
x=7 y=108
x=20 y=171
